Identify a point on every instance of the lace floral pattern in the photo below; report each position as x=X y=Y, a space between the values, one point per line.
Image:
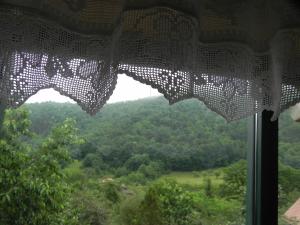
x=158 y=46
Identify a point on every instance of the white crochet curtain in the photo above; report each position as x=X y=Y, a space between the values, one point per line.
x=237 y=56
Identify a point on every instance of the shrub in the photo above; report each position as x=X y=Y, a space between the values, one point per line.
x=91 y=211
x=152 y=170
x=111 y=192
x=136 y=161
x=130 y=211
x=166 y=203
x=136 y=178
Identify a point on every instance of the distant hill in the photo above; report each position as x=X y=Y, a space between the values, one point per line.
x=185 y=136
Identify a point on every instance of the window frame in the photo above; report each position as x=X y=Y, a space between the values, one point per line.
x=262 y=172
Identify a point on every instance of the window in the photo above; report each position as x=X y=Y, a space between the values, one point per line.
x=144 y=162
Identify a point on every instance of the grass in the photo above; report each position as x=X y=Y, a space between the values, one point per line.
x=197 y=179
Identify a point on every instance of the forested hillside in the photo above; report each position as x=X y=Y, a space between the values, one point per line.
x=185 y=136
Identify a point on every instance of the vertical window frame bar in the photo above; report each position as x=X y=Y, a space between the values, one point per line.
x=262 y=174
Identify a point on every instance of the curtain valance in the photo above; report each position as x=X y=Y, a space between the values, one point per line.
x=237 y=56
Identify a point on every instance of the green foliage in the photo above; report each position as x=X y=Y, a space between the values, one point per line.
x=290 y=154
x=32 y=186
x=217 y=211
x=95 y=161
x=130 y=211
x=183 y=137
x=289 y=143
x=111 y=192
x=16 y=124
x=134 y=162
x=90 y=209
x=136 y=178
x=152 y=170
x=189 y=180
x=151 y=208
x=121 y=171
x=85 y=149
x=75 y=175
x=134 y=143
x=208 y=187
x=289 y=178
x=166 y=203
x=235 y=181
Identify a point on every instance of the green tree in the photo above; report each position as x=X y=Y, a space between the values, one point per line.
x=136 y=161
x=33 y=190
x=111 y=192
x=235 y=181
x=151 y=209
x=91 y=210
x=95 y=161
x=166 y=203
x=130 y=210
x=152 y=170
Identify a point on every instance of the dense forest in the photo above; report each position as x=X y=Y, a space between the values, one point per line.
x=186 y=136
x=142 y=162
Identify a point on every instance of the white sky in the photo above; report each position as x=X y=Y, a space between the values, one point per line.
x=126 y=89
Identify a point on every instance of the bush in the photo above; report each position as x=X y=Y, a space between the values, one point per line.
x=91 y=211
x=215 y=210
x=136 y=161
x=166 y=203
x=136 y=178
x=234 y=186
x=94 y=161
x=33 y=187
x=121 y=171
x=130 y=211
x=111 y=192
x=152 y=170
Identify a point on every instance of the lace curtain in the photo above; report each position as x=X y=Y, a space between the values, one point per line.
x=237 y=56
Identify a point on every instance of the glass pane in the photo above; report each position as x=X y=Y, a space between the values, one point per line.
x=140 y=162
x=289 y=167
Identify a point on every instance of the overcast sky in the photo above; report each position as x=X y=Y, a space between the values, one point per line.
x=126 y=89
